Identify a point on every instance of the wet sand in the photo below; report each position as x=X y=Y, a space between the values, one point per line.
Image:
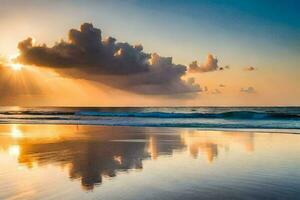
x=96 y=162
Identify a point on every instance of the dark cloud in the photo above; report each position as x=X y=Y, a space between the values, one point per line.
x=121 y=65
x=250 y=68
x=211 y=64
x=249 y=90
x=221 y=85
x=87 y=51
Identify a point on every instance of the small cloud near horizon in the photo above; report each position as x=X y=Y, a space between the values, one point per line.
x=210 y=65
x=216 y=91
x=250 y=68
x=205 y=89
x=249 y=90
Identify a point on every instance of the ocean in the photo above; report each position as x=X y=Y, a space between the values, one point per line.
x=270 y=119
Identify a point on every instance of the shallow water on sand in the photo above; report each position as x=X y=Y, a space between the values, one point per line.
x=94 y=162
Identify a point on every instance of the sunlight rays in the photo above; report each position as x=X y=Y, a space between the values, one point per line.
x=29 y=85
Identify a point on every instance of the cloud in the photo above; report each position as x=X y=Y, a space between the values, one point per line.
x=87 y=51
x=249 y=90
x=222 y=85
x=120 y=65
x=211 y=64
x=250 y=68
x=216 y=91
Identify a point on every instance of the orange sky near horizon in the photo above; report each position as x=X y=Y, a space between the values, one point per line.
x=32 y=86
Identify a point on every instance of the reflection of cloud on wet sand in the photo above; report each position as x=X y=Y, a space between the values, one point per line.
x=91 y=153
x=209 y=144
x=88 y=161
x=159 y=145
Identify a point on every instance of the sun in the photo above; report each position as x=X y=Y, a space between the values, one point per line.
x=12 y=63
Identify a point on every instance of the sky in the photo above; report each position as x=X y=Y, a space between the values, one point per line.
x=149 y=53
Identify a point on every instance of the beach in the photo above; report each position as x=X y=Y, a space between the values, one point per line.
x=121 y=162
x=149 y=100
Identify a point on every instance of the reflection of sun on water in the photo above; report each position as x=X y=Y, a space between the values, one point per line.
x=16 y=132
x=14 y=150
x=152 y=147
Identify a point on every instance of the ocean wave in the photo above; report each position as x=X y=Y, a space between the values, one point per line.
x=222 y=115
x=232 y=115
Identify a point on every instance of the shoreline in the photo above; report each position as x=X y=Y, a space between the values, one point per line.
x=243 y=130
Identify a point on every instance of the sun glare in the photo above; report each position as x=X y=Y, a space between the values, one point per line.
x=12 y=63
x=14 y=150
x=16 y=66
x=16 y=132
